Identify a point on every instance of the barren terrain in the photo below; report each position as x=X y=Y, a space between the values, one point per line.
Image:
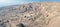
x=31 y=15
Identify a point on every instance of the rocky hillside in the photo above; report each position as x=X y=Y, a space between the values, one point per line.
x=30 y=15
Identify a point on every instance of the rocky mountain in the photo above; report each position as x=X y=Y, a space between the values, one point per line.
x=31 y=15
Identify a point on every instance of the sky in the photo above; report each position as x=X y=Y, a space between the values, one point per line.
x=14 y=2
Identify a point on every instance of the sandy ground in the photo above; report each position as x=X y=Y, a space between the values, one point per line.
x=55 y=22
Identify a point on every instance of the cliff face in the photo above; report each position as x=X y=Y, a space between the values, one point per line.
x=31 y=15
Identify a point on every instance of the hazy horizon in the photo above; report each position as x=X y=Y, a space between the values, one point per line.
x=14 y=2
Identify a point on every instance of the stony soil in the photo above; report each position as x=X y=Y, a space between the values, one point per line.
x=31 y=15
